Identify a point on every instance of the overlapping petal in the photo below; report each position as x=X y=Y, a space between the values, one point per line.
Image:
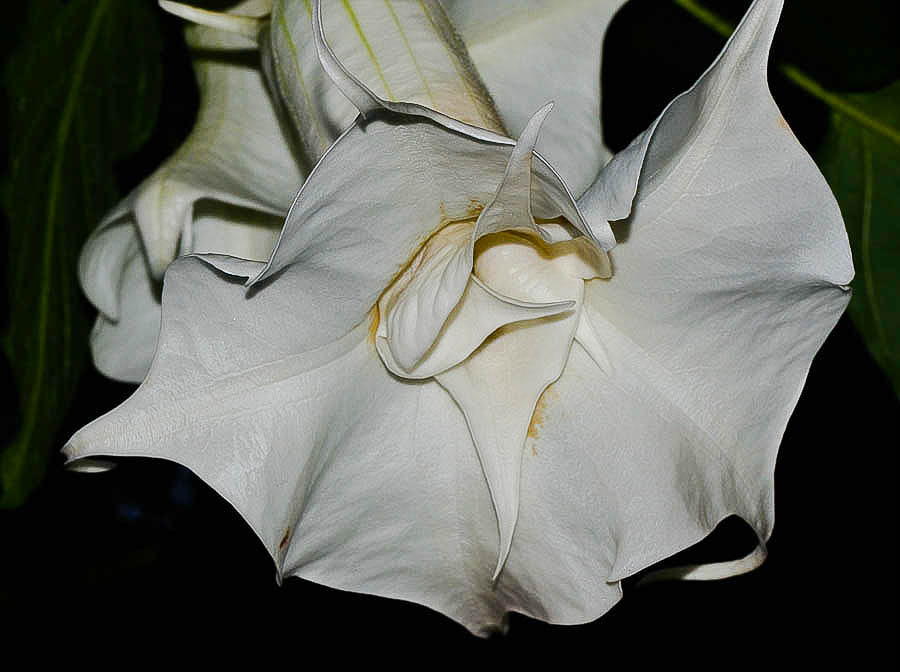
x=403 y=51
x=730 y=271
x=662 y=417
x=222 y=191
x=529 y=52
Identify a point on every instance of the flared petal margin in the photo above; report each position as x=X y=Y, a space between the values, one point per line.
x=115 y=276
x=238 y=152
x=224 y=191
x=350 y=476
x=732 y=267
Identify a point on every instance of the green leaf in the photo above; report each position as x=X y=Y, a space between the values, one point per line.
x=83 y=89
x=861 y=161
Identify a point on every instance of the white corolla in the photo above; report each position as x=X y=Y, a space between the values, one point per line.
x=452 y=381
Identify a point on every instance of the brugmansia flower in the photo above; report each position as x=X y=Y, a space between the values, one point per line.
x=450 y=382
x=202 y=199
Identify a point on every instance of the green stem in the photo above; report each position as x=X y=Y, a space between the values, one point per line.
x=796 y=76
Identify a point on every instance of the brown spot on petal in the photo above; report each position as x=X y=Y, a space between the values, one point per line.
x=783 y=123
x=284 y=539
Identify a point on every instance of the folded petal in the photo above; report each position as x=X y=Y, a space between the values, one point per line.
x=377 y=195
x=222 y=229
x=122 y=342
x=730 y=271
x=479 y=313
x=530 y=52
x=405 y=52
x=418 y=303
x=237 y=152
x=102 y=262
x=350 y=476
x=498 y=386
x=115 y=276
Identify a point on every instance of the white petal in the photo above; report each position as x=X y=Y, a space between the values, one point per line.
x=401 y=55
x=122 y=345
x=102 y=261
x=531 y=51
x=498 y=386
x=376 y=196
x=553 y=196
x=236 y=153
x=350 y=476
x=115 y=276
x=418 y=303
x=730 y=272
x=247 y=26
x=223 y=229
x=616 y=465
x=478 y=314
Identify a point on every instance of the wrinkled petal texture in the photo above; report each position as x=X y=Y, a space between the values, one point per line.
x=731 y=269
x=730 y=272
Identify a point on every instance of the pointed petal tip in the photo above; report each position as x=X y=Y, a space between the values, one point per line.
x=501 y=558
x=713 y=571
x=87 y=465
x=246 y=26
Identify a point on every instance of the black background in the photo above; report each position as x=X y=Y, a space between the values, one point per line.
x=147 y=553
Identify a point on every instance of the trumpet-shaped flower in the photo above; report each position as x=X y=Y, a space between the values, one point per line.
x=202 y=199
x=451 y=382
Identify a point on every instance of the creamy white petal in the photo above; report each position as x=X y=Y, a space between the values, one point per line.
x=497 y=388
x=115 y=276
x=511 y=205
x=479 y=313
x=417 y=304
x=350 y=476
x=282 y=431
x=376 y=196
x=237 y=152
x=731 y=270
x=529 y=52
x=398 y=52
x=102 y=262
x=122 y=345
x=499 y=385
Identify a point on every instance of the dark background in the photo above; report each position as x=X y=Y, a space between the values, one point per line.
x=147 y=552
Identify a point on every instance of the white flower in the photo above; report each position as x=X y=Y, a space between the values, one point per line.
x=360 y=407
x=202 y=199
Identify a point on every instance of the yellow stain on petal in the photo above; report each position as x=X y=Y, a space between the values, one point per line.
x=473 y=210
x=540 y=414
x=783 y=123
x=374 y=320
